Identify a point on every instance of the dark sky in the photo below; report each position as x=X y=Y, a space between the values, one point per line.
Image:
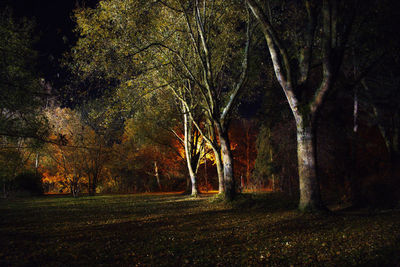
x=54 y=27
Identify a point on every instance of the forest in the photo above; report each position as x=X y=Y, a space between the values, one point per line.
x=250 y=106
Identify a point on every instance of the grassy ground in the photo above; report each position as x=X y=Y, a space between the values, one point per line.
x=174 y=230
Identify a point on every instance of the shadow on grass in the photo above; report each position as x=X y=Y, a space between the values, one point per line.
x=268 y=202
x=256 y=229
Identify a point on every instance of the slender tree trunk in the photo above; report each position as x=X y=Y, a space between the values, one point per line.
x=205 y=172
x=227 y=162
x=73 y=187
x=36 y=164
x=220 y=171
x=157 y=175
x=354 y=183
x=310 y=197
x=218 y=158
x=192 y=168
x=92 y=185
x=270 y=158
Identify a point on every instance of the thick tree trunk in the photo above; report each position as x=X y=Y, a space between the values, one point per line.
x=227 y=162
x=192 y=166
x=188 y=189
x=195 y=191
x=310 y=197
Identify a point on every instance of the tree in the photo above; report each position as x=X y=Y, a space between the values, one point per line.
x=185 y=47
x=304 y=85
x=21 y=94
x=77 y=150
x=219 y=92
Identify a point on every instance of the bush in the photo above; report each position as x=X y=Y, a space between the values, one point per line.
x=28 y=183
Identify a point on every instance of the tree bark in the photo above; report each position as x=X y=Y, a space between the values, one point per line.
x=157 y=175
x=310 y=196
x=227 y=162
x=220 y=171
x=92 y=185
x=192 y=166
x=188 y=187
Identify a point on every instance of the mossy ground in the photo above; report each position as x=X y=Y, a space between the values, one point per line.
x=176 y=230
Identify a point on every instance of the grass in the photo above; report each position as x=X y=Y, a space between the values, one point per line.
x=175 y=230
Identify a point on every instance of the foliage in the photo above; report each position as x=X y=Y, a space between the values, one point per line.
x=28 y=182
x=172 y=230
x=21 y=93
x=76 y=155
x=132 y=165
x=22 y=125
x=275 y=165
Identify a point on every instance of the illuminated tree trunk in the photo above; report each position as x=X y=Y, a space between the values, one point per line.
x=310 y=197
x=227 y=163
x=74 y=186
x=192 y=161
x=157 y=175
x=294 y=74
x=220 y=171
x=355 y=192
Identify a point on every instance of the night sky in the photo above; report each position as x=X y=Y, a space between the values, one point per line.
x=54 y=27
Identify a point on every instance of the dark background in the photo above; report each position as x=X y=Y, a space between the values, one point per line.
x=54 y=26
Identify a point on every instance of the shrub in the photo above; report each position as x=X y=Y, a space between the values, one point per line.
x=28 y=183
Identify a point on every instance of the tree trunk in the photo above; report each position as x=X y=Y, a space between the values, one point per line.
x=188 y=182
x=192 y=166
x=354 y=183
x=310 y=197
x=95 y=184
x=157 y=175
x=205 y=173
x=92 y=185
x=195 y=191
x=227 y=162
x=220 y=171
x=193 y=178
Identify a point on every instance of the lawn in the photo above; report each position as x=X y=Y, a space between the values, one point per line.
x=176 y=230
